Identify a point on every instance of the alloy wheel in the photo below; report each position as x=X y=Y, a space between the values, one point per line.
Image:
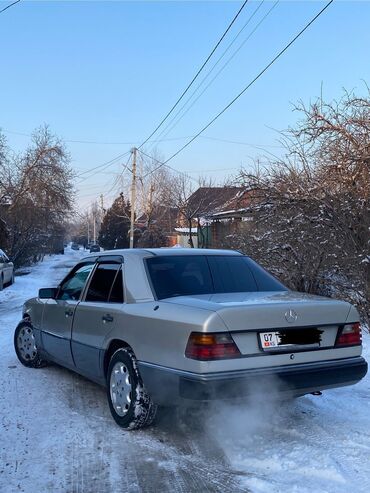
x=120 y=388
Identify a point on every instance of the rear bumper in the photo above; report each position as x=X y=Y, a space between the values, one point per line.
x=169 y=386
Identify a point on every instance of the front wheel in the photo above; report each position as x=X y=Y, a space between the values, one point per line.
x=129 y=402
x=25 y=346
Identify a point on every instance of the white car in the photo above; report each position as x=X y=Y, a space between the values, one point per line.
x=6 y=270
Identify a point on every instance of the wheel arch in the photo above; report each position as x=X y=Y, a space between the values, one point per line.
x=113 y=346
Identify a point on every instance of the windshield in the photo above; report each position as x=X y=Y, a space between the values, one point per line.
x=183 y=275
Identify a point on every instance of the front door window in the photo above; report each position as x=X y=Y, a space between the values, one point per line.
x=71 y=288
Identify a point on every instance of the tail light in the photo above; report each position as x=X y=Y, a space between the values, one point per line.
x=350 y=335
x=206 y=347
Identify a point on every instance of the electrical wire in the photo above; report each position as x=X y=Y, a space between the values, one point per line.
x=115 y=182
x=161 y=164
x=8 y=7
x=95 y=142
x=196 y=75
x=176 y=122
x=118 y=178
x=238 y=142
x=100 y=166
x=281 y=52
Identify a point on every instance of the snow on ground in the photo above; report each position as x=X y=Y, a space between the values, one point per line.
x=57 y=435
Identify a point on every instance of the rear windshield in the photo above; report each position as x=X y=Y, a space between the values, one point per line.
x=183 y=275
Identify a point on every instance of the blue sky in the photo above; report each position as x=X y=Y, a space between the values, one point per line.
x=109 y=72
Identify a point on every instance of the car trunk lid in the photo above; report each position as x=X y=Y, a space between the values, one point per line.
x=276 y=322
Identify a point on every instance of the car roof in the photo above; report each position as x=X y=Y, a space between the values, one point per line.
x=153 y=252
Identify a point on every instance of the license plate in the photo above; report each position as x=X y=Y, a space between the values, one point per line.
x=270 y=340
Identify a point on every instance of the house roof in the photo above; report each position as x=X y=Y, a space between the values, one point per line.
x=161 y=215
x=212 y=200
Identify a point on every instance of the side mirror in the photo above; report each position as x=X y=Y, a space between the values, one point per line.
x=48 y=293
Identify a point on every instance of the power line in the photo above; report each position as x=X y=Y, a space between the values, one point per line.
x=118 y=178
x=178 y=112
x=257 y=146
x=238 y=142
x=115 y=182
x=103 y=165
x=161 y=164
x=197 y=74
x=249 y=85
x=72 y=141
x=8 y=7
x=176 y=122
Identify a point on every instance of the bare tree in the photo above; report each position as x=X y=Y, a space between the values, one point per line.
x=36 y=196
x=312 y=219
x=153 y=183
x=192 y=207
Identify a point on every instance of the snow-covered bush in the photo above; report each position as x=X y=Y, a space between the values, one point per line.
x=312 y=210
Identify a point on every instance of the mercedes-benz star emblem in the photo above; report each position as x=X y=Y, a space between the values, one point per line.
x=291 y=316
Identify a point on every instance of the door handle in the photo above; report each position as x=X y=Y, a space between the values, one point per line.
x=107 y=318
x=68 y=313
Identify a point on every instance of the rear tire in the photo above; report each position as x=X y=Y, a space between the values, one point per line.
x=130 y=404
x=25 y=346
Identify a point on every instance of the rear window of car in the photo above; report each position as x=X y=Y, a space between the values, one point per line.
x=183 y=275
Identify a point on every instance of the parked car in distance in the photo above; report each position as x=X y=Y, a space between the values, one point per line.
x=94 y=248
x=6 y=270
x=75 y=246
x=161 y=326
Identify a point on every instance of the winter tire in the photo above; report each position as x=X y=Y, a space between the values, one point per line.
x=129 y=402
x=25 y=346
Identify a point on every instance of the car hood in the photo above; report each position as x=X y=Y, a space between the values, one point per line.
x=241 y=311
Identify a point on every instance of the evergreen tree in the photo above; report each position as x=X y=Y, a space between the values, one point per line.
x=114 y=232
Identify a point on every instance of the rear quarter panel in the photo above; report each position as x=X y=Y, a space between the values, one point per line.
x=160 y=335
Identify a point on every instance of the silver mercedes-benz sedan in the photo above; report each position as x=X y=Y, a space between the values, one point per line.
x=160 y=326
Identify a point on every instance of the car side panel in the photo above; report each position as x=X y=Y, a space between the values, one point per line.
x=90 y=332
x=56 y=329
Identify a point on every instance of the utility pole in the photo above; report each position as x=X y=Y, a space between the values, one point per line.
x=102 y=203
x=133 y=197
x=88 y=230
x=94 y=225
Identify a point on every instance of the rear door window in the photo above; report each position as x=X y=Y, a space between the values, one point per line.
x=116 y=294
x=102 y=282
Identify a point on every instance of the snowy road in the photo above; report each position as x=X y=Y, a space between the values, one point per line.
x=57 y=435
